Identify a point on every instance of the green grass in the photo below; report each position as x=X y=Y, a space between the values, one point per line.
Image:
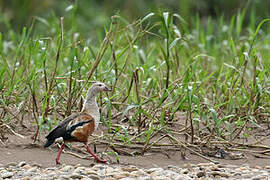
x=215 y=72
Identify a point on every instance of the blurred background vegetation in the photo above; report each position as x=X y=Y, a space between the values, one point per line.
x=92 y=15
x=208 y=58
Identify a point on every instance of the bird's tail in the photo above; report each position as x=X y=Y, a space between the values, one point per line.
x=49 y=142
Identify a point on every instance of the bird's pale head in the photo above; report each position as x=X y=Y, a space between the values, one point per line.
x=96 y=88
x=99 y=86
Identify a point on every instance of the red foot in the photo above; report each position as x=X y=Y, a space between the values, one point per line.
x=95 y=156
x=101 y=161
x=57 y=162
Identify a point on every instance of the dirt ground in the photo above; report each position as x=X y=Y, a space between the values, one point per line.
x=21 y=149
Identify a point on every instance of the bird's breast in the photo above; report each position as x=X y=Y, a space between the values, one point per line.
x=92 y=109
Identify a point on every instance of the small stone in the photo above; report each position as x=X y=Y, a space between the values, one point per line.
x=33 y=169
x=268 y=170
x=217 y=174
x=64 y=176
x=236 y=174
x=129 y=168
x=79 y=170
x=37 y=165
x=129 y=178
x=67 y=168
x=221 y=165
x=138 y=173
x=89 y=172
x=99 y=167
x=27 y=173
x=151 y=170
x=141 y=178
x=76 y=176
x=121 y=175
x=109 y=178
x=21 y=164
x=77 y=165
x=214 y=168
x=86 y=178
x=201 y=174
x=231 y=166
x=27 y=166
x=156 y=173
x=183 y=176
x=241 y=169
x=94 y=177
x=245 y=171
x=255 y=170
x=25 y=178
x=51 y=169
x=260 y=177
x=7 y=174
x=172 y=167
x=184 y=171
x=54 y=175
x=45 y=177
x=36 y=178
x=161 y=178
x=168 y=173
x=205 y=164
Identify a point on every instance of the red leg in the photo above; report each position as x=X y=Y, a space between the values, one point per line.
x=95 y=156
x=59 y=153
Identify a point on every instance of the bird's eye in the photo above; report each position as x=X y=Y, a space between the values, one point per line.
x=99 y=85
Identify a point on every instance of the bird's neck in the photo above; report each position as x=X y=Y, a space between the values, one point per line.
x=90 y=107
x=90 y=101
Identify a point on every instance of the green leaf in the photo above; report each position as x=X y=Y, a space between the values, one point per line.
x=129 y=107
x=180 y=18
x=166 y=19
x=177 y=32
x=147 y=16
x=174 y=43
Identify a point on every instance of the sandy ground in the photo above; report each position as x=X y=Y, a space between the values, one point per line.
x=18 y=149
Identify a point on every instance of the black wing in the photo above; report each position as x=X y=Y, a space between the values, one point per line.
x=60 y=130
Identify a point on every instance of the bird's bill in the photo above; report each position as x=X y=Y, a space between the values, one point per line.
x=107 y=89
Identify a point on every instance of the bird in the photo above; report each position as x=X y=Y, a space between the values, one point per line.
x=79 y=126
